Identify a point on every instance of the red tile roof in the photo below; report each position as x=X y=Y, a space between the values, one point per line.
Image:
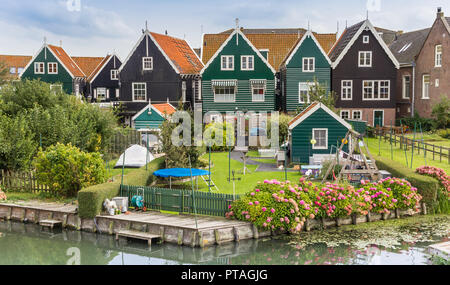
x=180 y=53
x=165 y=108
x=303 y=113
x=67 y=61
x=98 y=67
x=87 y=64
x=16 y=61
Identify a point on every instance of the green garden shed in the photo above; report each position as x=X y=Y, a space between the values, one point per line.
x=152 y=116
x=315 y=131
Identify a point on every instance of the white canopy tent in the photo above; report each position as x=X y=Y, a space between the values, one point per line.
x=135 y=157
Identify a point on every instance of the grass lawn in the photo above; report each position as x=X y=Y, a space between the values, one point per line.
x=431 y=138
x=399 y=155
x=43 y=197
x=111 y=171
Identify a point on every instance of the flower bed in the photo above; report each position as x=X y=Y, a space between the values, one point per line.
x=275 y=205
x=437 y=173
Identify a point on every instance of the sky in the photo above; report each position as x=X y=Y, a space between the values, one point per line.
x=100 y=27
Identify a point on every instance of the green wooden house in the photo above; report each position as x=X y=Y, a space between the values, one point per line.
x=305 y=63
x=315 y=131
x=151 y=117
x=53 y=65
x=238 y=78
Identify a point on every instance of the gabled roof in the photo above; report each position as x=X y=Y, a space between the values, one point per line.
x=98 y=68
x=87 y=64
x=388 y=36
x=298 y=45
x=278 y=42
x=408 y=45
x=17 y=61
x=164 y=110
x=311 y=109
x=348 y=38
x=446 y=21
x=237 y=33
x=66 y=61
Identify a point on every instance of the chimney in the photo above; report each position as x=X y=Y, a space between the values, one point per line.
x=440 y=14
x=166 y=33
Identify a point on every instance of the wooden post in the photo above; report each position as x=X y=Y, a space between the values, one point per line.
x=440 y=155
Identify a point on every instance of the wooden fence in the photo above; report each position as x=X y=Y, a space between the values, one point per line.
x=426 y=149
x=123 y=140
x=22 y=182
x=180 y=201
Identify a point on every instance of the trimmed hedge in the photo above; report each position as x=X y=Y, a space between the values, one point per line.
x=90 y=200
x=428 y=187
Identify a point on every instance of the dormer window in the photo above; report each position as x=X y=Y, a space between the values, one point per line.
x=309 y=64
x=39 y=68
x=52 y=68
x=365 y=59
x=114 y=74
x=147 y=63
x=366 y=39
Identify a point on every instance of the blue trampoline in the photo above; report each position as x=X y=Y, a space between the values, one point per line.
x=179 y=173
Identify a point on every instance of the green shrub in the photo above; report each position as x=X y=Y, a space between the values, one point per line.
x=66 y=169
x=444 y=133
x=427 y=187
x=90 y=199
x=212 y=129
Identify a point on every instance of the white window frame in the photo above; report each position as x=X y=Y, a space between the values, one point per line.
x=224 y=101
x=348 y=88
x=326 y=139
x=39 y=68
x=252 y=87
x=226 y=58
x=360 y=115
x=348 y=114
x=114 y=74
x=245 y=59
x=366 y=39
x=98 y=93
x=183 y=91
x=423 y=87
x=365 y=53
x=308 y=84
x=52 y=67
x=133 y=89
x=145 y=60
x=306 y=62
x=438 y=56
x=12 y=70
x=372 y=98
x=404 y=87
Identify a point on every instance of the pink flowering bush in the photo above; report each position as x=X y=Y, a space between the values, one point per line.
x=437 y=173
x=275 y=205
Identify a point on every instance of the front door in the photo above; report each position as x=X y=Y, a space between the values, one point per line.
x=378 y=118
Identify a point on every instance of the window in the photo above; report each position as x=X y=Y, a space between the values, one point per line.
x=224 y=93
x=247 y=62
x=20 y=70
x=114 y=74
x=321 y=138
x=101 y=93
x=258 y=90
x=426 y=87
x=52 y=68
x=147 y=63
x=309 y=64
x=227 y=62
x=39 y=68
x=140 y=91
x=12 y=70
x=438 y=56
x=183 y=91
x=56 y=88
x=357 y=115
x=365 y=39
x=365 y=59
x=376 y=90
x=436 y=83
x=345 y=114
x=406 y=86
x=303 y=96
x=264 y=53
x=347 y=90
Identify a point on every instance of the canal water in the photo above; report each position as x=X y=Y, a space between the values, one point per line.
x=390 y=242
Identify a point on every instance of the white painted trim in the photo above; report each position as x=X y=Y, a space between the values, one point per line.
x=40 y=63
x=65 y=67
x=309 y=84
x=353 y=115
x=379 y=89
x=235 y=93
x=373 y=118
x=143 y=63
x=132 y=91
x=225 y=43
x=446 y=24
x=423 y=86
x=226 y=68
x=365 y=53
x=48 y=68
x=313 y=110
x=265 y=88
x=349 y=114
x=145 y=109
x=366 y=39
x=326 y=136
x=253 y=62
x=101 y=69
x=32 y=60
x=403 y=86
x=436 y=55
x=308 y=59
x=307 y=34
x=351 y=89
x=365 y=25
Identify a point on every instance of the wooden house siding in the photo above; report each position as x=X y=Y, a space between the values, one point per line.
x=243 y=97
x=103 y=80
x=301 y=135
x=148 y=121
x=63 y=77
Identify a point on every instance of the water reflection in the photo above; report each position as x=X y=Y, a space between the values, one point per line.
x=28 y=244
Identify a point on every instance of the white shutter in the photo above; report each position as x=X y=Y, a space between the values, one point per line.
x=107 y=93
x=95 y=93
x=117 y=93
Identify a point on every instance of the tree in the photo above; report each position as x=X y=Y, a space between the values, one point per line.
x=441 y=113
x=283 y=126
x=318 y=93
